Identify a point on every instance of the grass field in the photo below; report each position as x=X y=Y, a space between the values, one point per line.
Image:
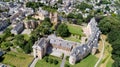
x=26 y=37
x=75 y=29
x=76 y=33
x=72 y=38
x=17 y=59
x=43 y=63
x=109 y=63
x=86 y=62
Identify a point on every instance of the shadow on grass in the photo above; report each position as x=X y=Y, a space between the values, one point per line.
x=82 y=59
x=1 y=59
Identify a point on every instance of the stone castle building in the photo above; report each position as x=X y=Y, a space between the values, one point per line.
x=75 y=50
x=40 y=47
x=90 y=46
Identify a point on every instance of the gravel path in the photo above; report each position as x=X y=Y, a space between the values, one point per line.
x=34 y=62
x=63 y=61
x=102 y=52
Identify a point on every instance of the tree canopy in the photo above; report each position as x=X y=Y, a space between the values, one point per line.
x=83 y=6
x=62 y=30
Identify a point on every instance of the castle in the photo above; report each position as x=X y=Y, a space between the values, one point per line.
x=76 y=51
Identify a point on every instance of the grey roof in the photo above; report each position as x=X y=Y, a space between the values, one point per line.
x=60 y=42
x=40 y=44
x=18 y=26
x=1 y=53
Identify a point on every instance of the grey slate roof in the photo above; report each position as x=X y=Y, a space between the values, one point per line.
x=40 y=44
x=60 y=42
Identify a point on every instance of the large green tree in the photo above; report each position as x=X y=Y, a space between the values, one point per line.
x=62 y=30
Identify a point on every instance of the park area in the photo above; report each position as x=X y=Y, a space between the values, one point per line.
x=49 y=61
x=76 y=33
x=17 y=59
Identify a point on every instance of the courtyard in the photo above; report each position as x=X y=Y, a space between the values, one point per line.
x=76 y=33
x=43 y=63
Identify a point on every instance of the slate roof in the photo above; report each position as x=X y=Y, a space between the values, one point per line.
x=40 y=44
x=60 y=42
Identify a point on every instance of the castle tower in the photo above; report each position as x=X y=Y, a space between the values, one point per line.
x=39 y=48
x=72 y=60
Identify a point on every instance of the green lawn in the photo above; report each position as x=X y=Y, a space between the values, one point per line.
x=86 y=62
x=109 y=63
x=43 y=63
x=26 y=36
x=75 y=29
x=17 y=59
x=72 y=38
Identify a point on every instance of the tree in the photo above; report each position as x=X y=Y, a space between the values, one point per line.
x=83 y=6
x=108 y=23
x=26 y=48
x=60 y=1
x=55 y=62
x=47 y=19
x=62 y=30
x=50 y=60
x=66 y=65
x=46 y=59
x=6 y=45
x=45 y=28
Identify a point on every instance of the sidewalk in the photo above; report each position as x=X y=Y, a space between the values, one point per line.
x=34 y=62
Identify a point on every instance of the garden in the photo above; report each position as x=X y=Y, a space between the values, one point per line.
x=49 y=61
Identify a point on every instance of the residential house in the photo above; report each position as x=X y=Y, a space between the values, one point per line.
x=17 y=29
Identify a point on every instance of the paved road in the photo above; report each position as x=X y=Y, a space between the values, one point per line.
x=63 y=61
x=102 y=53
x=34 y=62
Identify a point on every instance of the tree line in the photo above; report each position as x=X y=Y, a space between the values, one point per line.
x=110 y=26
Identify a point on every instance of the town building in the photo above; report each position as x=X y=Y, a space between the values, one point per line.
x=41 y=14
x=3 y=24
x=17 y=29
x=31 y=24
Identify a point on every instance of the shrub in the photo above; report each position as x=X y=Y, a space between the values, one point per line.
x=66 y=65
x=46 y=59
x=55 y=62
x=62 y=55
x=67 y=57
x=50 y=60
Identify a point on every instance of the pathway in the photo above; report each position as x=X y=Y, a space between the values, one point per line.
x=34 y=62
x=63 y=61
x=102 y=53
